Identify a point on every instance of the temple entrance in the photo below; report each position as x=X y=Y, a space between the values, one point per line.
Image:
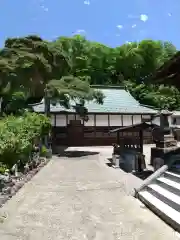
x=75 y=133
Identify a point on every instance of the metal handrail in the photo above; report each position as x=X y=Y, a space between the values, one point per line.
x=156 y=174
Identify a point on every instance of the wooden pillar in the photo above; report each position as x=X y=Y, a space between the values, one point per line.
x=122 y=124
x=66 y=119
x=141 y=117
x=132 y=119
x=108 y=121
x=55 y=120
x=94 y=125
x=118 y=138
x=141 y=140
x=54 y=127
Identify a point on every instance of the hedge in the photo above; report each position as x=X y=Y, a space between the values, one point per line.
x=17 y=136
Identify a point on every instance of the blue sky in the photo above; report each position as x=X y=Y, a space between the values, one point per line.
x=111 y=22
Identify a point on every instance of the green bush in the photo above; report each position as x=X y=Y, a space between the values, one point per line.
x=2 y=168
x=17 y=135
x=44 y=151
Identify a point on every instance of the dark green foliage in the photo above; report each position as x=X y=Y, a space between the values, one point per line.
x=64 y=68
x=18 y=135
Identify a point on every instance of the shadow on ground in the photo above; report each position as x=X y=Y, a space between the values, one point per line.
x=62 y=151
x=76 y=154
x=144 y=174
x=110 y=163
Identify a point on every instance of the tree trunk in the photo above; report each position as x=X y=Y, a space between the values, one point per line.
x=47 y=111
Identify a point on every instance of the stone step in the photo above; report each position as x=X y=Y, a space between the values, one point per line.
x=172 y=176
x=167 y=213
x=169 y=182
x=165 y=196
x=169 y=186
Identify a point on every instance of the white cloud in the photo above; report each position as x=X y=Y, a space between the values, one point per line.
x=79 y=31
x=44 y=8
x=134 y=25
x=87 y=2
x=143 y=17
x=120 y=26
x=131 y=16
x=169 y=14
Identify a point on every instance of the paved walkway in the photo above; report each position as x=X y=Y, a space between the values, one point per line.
x=80 y=198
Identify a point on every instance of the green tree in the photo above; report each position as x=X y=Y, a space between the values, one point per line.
x=31 y=65
x=35 y=63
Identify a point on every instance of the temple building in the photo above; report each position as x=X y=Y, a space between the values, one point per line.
x=169 y=72
x=119 y=109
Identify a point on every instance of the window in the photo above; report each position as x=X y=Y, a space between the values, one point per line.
x=101 y=120
x=90 y=122
x=115 y=120
x=60 y=120
x=127 y=120
x=136 y=119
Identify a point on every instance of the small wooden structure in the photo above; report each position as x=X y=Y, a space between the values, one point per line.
x=134 y=143
x=128 y=152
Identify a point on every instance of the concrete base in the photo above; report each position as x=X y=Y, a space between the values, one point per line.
x=115 y=159
x=164 y=153
x=115 y=167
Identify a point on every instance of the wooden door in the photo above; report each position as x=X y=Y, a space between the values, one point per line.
x=75 y=133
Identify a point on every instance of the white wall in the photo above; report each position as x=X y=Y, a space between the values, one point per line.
x=115 y=120
x=52 y=120
x=90 y=122
x=101 y=120
x=60 y=120
x=136 y=119
x=177 y=120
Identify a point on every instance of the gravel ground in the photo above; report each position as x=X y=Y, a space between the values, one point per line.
x=80 y=198
x=15 y=183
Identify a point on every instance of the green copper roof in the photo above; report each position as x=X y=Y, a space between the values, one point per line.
x=116 y=100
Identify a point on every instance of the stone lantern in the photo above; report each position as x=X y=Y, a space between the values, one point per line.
x=163 y=136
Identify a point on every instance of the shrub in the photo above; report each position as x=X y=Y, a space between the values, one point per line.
x=2 y=168
x=17 y=135
x=44 y=151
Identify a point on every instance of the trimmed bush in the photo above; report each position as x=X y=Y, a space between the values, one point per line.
x=17 y=136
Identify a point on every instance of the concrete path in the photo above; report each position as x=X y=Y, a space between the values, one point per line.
x=80 y=198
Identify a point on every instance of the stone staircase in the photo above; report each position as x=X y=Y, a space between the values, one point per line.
x=162 y=196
